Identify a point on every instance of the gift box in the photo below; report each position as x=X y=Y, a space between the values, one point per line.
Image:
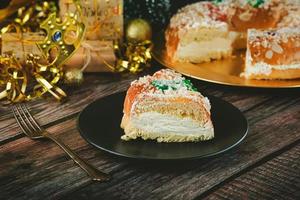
x=94 y=56
x=103 y=18
x=21 y=44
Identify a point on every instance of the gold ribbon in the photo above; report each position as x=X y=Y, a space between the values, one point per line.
x=133 y=56
x=14 y=79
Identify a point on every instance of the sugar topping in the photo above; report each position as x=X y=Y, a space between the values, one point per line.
x=165 y=81
x=216 y=14
x=292 y=17
x=276 y=36
x=201 y=14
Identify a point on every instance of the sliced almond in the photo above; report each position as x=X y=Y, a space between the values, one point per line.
x=277 y=48
x=269 y=54
x=264 y=43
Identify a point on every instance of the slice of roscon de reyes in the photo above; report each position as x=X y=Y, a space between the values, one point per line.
x=166 y=107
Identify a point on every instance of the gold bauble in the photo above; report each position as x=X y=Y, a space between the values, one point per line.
x=138 y=30
x=73 y=76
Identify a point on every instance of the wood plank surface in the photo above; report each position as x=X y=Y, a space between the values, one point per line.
x=278 y=178
x=39 y=169
x=49 y=112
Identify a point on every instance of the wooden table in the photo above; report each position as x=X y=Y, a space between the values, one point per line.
x=265 y=166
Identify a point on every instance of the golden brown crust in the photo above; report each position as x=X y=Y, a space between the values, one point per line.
x=278 y=74
x=165 y=137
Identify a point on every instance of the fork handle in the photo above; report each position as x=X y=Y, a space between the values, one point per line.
x=94 y=173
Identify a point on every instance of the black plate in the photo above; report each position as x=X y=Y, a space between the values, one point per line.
x=99 y=124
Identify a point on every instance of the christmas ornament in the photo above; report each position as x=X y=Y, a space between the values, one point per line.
x=157 y=12
x=138 y=30
x=73 y=76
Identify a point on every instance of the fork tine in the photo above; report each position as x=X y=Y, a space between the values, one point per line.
x=26 y=119
x=21 y=121
x=34 y=122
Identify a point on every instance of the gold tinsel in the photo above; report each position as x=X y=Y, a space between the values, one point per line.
x=132 y=56
x=135 y=54
x=23 y=83
x=33 y=80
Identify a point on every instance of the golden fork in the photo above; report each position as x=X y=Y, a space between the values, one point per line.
x=34 y=131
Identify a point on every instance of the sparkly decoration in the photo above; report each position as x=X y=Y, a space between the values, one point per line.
x=256 y=3
x=135 y=54
x=73 y=76
x=173 y=84
x=15 y=78
x=42 y=77
x=138 y=30
x=56 y=34
x=132 y=57
x=29 y=14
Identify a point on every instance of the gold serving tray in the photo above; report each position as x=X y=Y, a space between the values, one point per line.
x=226 y=71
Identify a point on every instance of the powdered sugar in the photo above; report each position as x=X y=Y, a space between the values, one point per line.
x=201 y=14
x=177 y=86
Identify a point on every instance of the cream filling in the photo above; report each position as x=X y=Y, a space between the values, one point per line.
x=155 y=122
x=264 y=68
x=200 y=49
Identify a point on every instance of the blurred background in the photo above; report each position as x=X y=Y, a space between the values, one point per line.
x=157 y=12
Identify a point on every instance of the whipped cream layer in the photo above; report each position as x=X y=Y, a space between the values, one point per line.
x=155 y=122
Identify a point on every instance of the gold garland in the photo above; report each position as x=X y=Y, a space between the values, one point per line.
x=34 y=79
x=28 y=17
x=43 y=77
x=15 y=79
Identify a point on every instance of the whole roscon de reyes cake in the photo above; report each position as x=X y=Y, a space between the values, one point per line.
x=205 y=31
x=167 y=108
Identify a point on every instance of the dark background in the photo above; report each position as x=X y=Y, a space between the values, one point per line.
x=157 y=12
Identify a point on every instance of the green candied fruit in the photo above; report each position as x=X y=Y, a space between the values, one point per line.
x=172 y=84
x=256 y=3
x=188 y=84
x=159 y=85
x=216 y=2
